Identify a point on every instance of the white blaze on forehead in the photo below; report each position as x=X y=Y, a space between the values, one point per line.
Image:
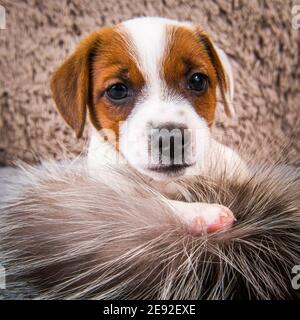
x=148 y=38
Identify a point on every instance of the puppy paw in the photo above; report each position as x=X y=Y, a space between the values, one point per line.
x=197 y=226
x=202 y=218
x=211 y=218
x=224 y=219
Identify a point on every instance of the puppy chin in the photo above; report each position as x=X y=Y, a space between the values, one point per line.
x=162 y=175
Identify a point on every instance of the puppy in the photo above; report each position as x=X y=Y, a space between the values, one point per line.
x=150 y=87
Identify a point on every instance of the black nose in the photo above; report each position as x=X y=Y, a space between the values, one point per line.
x=170 y=142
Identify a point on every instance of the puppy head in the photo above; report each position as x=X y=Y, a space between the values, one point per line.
x=151 y=83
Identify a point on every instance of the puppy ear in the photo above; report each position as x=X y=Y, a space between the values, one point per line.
x=70 y=84
x=224 y=72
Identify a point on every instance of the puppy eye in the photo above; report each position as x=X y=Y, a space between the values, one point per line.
x=117 y=91
x=198 y=82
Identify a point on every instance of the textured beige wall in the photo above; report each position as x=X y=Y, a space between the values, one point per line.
x=257 y=35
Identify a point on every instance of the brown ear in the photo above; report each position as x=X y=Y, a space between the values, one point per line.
x=224 y=72
x=70 y=84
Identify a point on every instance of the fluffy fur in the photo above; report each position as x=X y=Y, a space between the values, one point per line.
x=69 y=235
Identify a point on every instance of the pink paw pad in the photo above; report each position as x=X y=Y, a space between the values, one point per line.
x=215 y=218
x=224 y=221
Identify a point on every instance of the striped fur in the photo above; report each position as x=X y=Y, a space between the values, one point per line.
x=69 y=235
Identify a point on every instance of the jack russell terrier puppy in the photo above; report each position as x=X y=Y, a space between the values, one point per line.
x=150 y=86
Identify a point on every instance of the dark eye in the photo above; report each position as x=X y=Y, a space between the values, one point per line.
x=198 y=82
x=117 y=91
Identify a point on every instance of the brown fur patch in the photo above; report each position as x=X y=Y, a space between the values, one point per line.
x=70 y=84
x=113 y=63
x=187 y=54
x=100 y=60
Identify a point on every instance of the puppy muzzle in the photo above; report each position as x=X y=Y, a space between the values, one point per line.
x=169 y=147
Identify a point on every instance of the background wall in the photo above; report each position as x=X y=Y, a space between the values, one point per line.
x=257 y=35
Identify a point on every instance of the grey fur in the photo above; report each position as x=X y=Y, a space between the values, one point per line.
x=70 y=235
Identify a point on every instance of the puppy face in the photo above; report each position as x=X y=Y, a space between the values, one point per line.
x=151 y=83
